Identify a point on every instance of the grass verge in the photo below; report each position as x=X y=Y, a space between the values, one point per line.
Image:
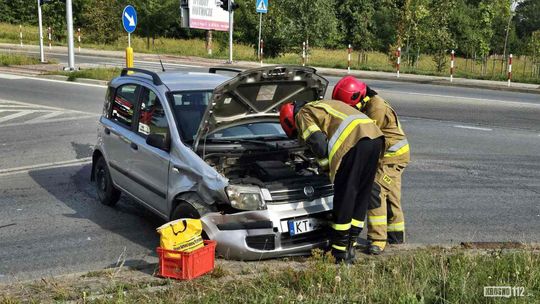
x=432 y=275
x=17 y=59
x=95 y=73
x=524 y=69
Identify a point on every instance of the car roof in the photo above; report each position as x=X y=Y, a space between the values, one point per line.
x=186 y=81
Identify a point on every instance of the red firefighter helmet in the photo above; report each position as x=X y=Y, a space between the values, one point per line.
x=349 y=90
x=286 y=118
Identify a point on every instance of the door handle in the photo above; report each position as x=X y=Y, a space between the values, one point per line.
x=107 y=131
x=134 y=146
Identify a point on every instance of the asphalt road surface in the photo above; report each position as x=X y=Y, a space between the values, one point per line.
x=475 y=174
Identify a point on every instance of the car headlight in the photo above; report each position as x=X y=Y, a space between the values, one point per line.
x=246 y=197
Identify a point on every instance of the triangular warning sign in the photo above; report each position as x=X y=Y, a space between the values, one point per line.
x=261 y=6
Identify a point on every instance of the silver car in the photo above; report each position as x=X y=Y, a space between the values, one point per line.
x=209 y=146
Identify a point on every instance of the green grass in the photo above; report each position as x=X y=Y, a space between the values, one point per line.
x=424 y=276
x=95 y=73
x=430 y=275
x=376 y=61
x=16 y=59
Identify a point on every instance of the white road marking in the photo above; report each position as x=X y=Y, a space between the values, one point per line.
x=44 y=117
x=472 y=128
x=15 y=115
x=46 y=114
x=516 y=103
x=26 y=169
x=10 y=76
x=49 y=121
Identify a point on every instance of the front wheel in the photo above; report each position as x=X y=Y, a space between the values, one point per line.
x=107 y=193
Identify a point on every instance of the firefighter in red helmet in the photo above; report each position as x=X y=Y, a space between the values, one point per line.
x=349 y=145
x=386 y=223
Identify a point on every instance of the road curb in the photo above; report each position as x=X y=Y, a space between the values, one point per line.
x=374 y=75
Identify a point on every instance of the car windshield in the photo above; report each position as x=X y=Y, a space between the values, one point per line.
x=189 y=108
x=250 y=130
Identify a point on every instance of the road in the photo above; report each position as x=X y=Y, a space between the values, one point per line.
x=475 y=174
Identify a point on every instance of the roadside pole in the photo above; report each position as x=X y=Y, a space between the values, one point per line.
x=20 y=34
x=71 y=51
x=50 y=37
x=262 y=51
x=510 y=70
x=129 y=21
x=304 y=53
x=349 y=50
x=231 y=16
x=41 y=53
x=260 y=32
x=307 y=51
x=452 y=58
x=261 y=7
x=129 y=53
x=79 y=38
x=398 y=60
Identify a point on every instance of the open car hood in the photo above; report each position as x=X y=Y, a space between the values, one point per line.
x=256 y=96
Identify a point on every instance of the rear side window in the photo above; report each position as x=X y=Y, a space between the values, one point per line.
x=152 y=119
x=123 y=105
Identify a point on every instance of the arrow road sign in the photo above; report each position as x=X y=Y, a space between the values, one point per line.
x=129 y=19
x=262 y=6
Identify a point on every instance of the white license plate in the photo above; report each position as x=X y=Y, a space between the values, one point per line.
x=304 y=225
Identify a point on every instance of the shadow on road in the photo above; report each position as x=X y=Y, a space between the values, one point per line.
x=72 y=187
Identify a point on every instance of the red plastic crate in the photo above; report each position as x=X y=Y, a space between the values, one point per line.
x=189 y=265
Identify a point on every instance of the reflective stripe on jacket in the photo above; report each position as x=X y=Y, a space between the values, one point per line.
x=396 y=143
x=331 y=128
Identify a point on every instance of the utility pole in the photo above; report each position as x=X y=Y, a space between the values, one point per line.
x=41 y=53
x=71 y=47
x=231 y=18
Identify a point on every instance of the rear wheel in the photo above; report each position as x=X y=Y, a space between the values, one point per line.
x=107 y=193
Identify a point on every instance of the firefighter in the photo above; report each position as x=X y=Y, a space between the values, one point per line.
x=349 y=145
x=386 y=223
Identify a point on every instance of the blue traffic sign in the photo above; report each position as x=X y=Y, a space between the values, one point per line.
x=262 y=6
x=129 y=19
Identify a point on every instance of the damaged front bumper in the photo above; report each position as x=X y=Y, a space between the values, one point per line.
x=264 y=234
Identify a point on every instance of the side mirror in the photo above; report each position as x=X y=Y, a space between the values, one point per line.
x=158 y=141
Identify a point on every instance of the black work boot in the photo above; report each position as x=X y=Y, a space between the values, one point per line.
x=376 y=247
x=341 y=256
x=340 y=242
x=353 y=242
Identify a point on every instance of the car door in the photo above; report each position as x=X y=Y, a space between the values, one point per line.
x=150 y=165
x=118 y=132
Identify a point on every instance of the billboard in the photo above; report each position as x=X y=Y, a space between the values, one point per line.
x=206 y=15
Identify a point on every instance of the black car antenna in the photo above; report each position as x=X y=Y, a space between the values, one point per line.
x=159 y=57
x=161 y=62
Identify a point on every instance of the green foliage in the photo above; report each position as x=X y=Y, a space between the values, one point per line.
x=471 y=27
x=103 y=20
x=16 y=59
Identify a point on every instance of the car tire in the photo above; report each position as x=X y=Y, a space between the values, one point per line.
x=107 y=194
x=184 y=210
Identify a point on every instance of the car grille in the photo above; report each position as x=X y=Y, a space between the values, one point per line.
x=295 y=190
x=261 y=242
x=311 y=237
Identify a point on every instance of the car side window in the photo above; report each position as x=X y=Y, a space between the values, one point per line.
x=152 y=118
x=123 y=105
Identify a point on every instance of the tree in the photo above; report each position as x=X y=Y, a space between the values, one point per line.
x=156 y=17
x=527 y=18
x=356 y=23
x=312 y=20
x=103 y=20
